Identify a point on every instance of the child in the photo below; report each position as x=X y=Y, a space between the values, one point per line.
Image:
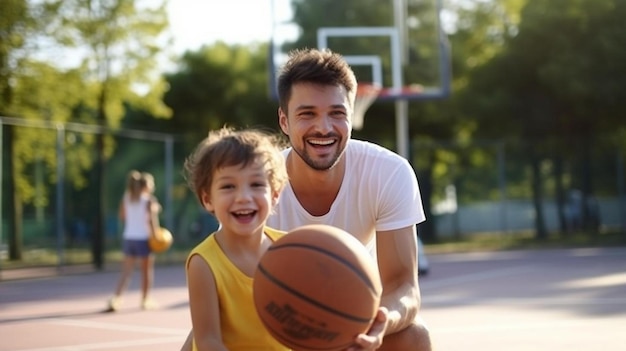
x=137 y=210
x=237 y=176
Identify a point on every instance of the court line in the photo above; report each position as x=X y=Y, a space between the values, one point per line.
x=110 y=345
x=490 y=328
x=526 y=301
x=178 y=336
x=118 y=327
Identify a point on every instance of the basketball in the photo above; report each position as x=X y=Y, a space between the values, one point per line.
x=317 y=288
x=162 y=241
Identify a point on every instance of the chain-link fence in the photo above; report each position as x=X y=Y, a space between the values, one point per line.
x=498 y=187
x=52 y=193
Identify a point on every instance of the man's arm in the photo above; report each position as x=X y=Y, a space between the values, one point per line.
x=397 y=263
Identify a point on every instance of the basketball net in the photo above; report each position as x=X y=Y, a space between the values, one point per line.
x=366 y=94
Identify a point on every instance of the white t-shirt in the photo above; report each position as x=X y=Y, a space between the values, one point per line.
x=379 y=193
x=137 y=216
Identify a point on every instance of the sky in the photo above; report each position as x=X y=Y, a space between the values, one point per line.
x=194 y=23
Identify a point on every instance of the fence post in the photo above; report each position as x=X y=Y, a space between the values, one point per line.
x=60 y=199
x=502 y=183
x=620 y=190
x=1 y=189
x=169 y=181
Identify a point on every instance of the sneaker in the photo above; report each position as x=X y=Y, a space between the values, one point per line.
x=148 y=304
x=114 y=304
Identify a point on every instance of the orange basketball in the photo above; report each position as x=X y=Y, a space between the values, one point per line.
x=162 y=241
x=317 y=288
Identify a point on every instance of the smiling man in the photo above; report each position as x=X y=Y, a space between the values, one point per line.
x=355 y=185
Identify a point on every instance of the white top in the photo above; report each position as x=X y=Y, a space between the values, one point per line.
x=379 y=193
x=137 y=217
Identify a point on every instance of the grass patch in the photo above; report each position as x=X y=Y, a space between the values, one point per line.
x=48 y=257
x=526 y=240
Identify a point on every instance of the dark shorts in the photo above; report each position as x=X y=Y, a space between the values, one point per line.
x=136 y=248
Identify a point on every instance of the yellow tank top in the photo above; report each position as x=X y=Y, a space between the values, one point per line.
x=242 y=330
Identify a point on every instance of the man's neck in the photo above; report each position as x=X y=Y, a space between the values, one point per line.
x=315 y=190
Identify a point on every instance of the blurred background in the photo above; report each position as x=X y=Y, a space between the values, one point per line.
x=526 y=146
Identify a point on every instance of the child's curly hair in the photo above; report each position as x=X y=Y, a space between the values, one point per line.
x=228 y=147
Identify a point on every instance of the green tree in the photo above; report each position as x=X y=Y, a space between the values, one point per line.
x=16 y=24
x=122 y=43
x=19 y=26
x=220 y=85
x=561 y=89
x=115 y=47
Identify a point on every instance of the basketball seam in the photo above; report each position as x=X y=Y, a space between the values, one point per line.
x=310 y=300
x=347 y=263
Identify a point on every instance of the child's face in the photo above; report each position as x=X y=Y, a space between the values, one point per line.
x=241 y=198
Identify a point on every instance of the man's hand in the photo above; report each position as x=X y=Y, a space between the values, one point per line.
x=374 y=337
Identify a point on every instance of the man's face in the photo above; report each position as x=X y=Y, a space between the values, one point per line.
x=318 y=123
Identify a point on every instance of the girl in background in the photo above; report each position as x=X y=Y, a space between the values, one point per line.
x=138 y=211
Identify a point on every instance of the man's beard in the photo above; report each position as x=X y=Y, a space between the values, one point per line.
x=321 y=165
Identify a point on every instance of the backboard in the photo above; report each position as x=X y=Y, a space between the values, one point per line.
x=397 y=44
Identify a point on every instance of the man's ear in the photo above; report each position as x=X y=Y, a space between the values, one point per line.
x=275 y=198
x=283 y=122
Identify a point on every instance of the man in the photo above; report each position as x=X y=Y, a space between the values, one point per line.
x=357 y=186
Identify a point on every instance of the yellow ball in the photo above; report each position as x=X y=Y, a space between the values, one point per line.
x=161 y=241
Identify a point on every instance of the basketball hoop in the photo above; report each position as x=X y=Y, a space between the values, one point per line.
x=366 y=94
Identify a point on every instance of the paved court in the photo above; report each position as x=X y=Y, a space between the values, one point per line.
x=528 y=300
x=520 y=300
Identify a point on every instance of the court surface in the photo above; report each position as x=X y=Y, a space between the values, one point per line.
x=519 y=300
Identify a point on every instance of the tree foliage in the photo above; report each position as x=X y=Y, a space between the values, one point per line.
x=122 y=43
x=16 y=25
x=110 y=51
x=122 y=52
x=560 y=71
x=553 y=91
x=220 y=85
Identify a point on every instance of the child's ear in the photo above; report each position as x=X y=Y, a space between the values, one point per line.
x=206 y=202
